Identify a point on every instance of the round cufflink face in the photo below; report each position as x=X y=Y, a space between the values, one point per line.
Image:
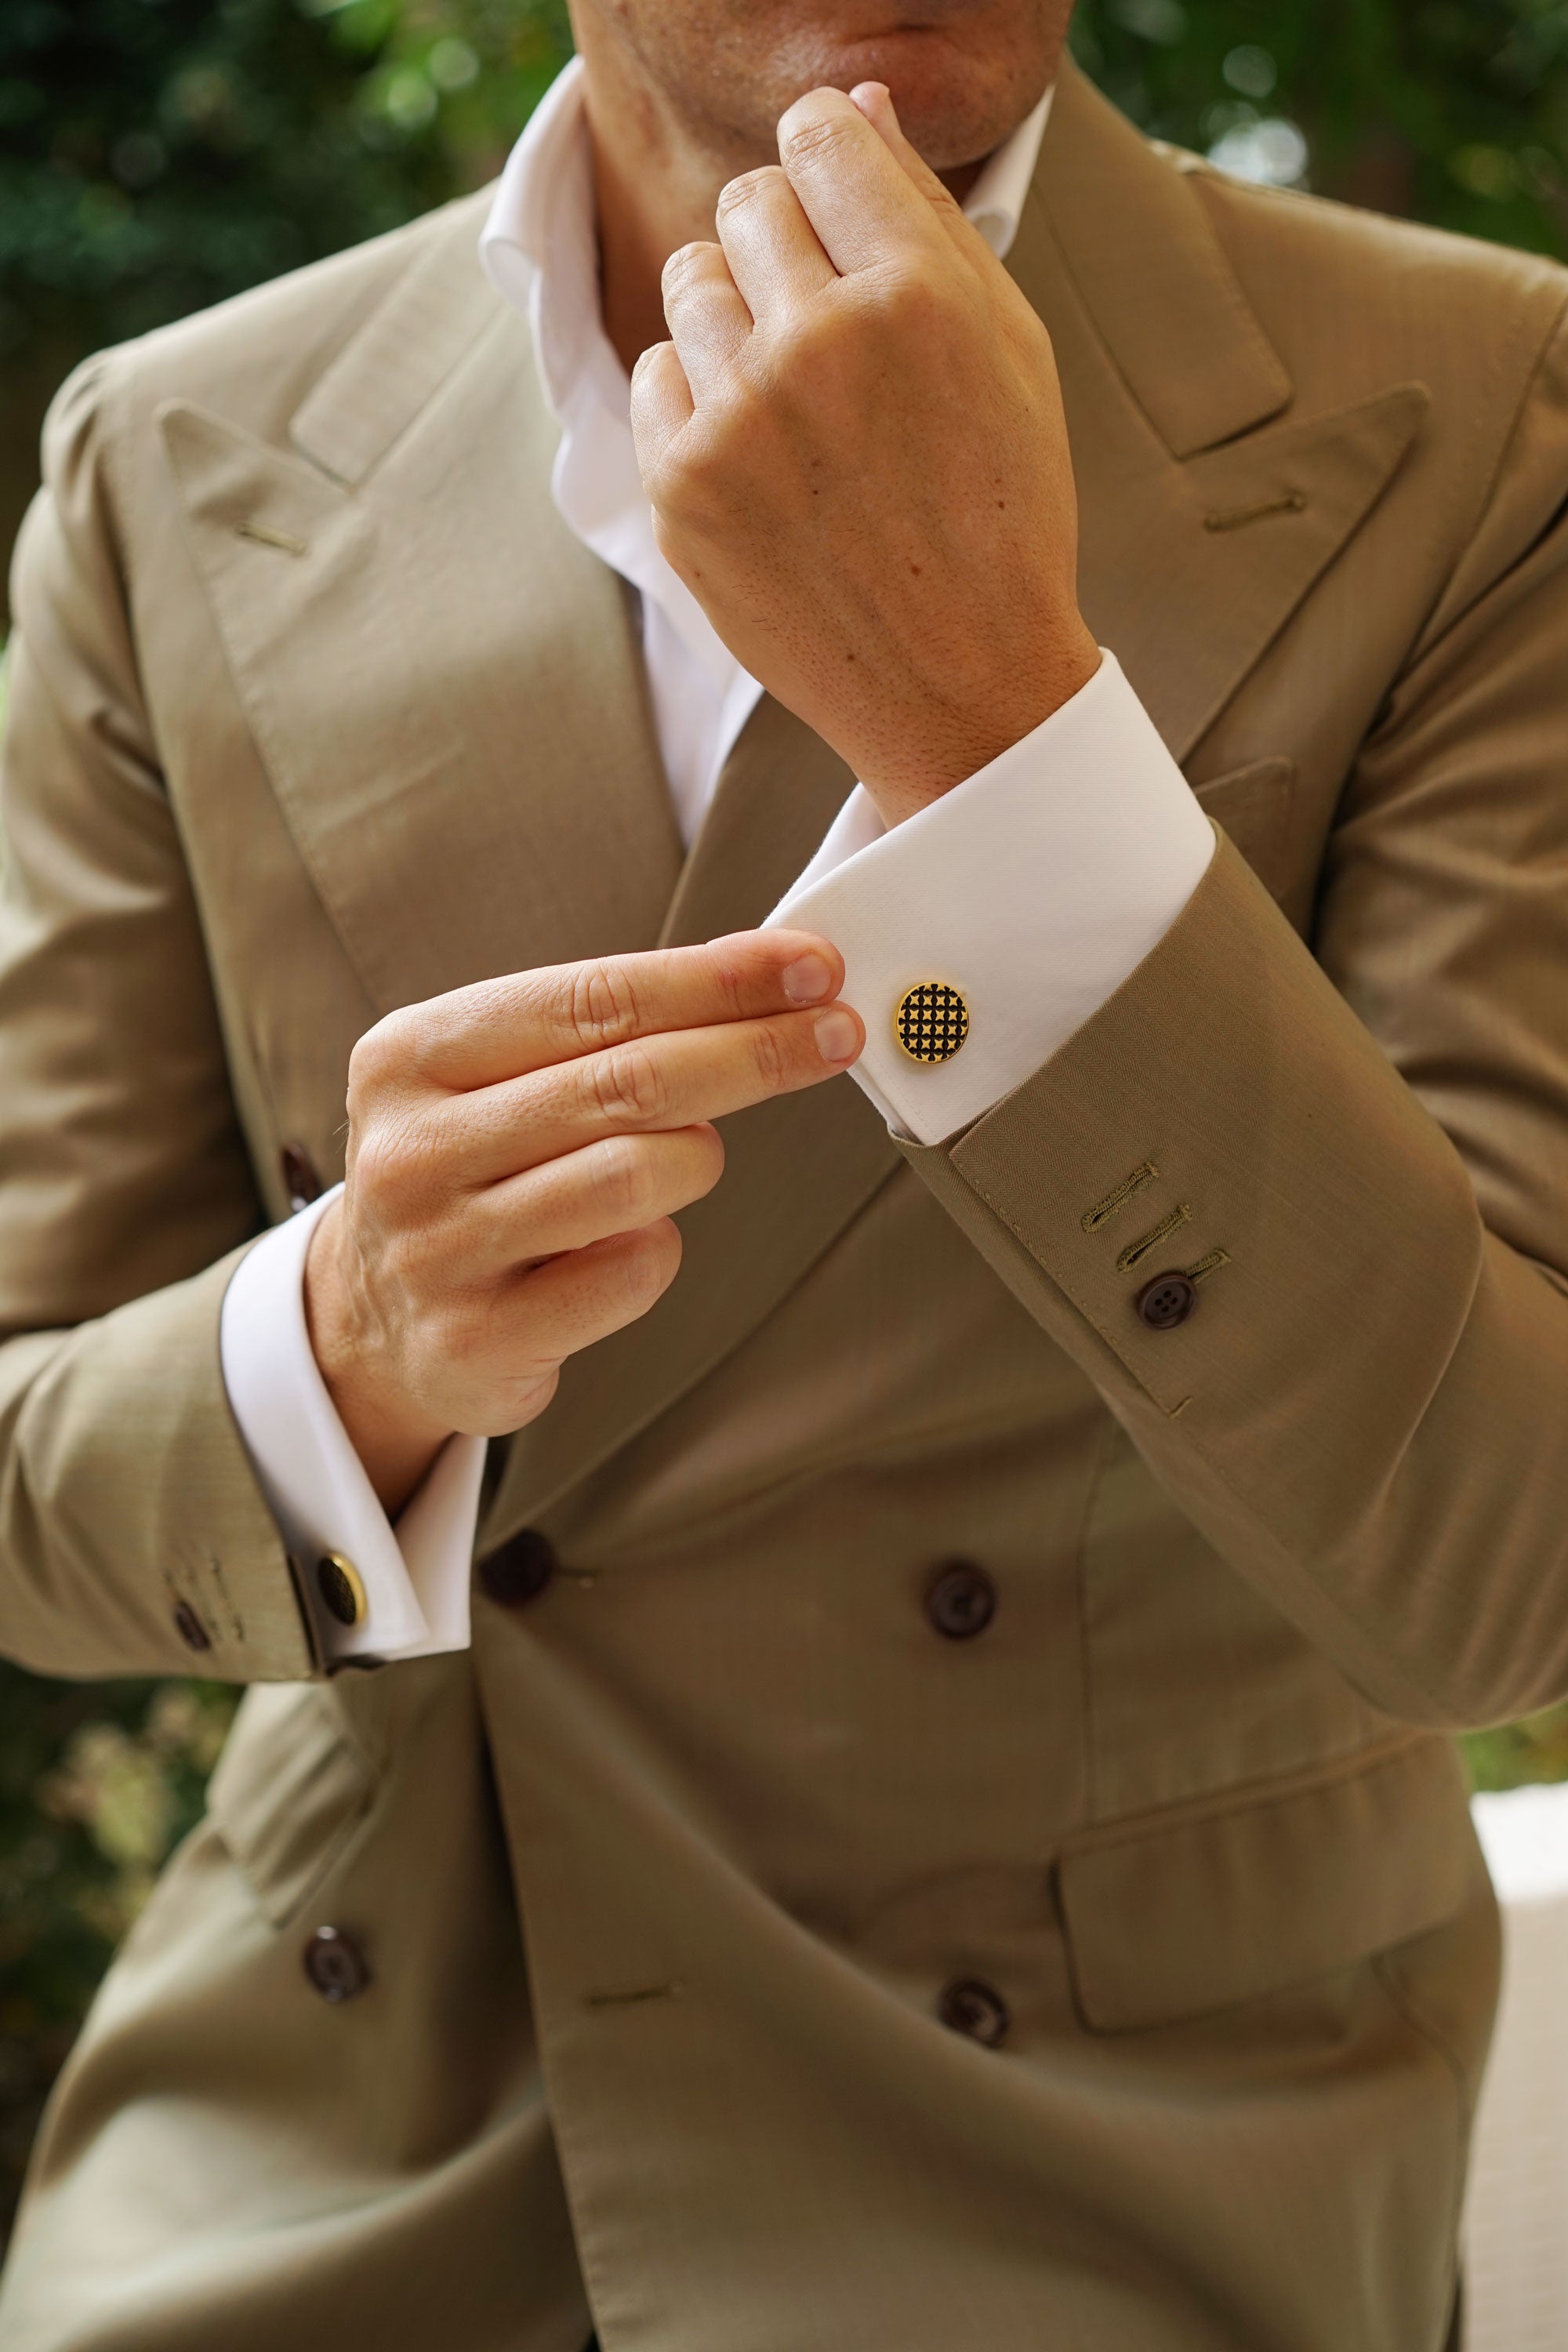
x=338 y=1583
x=932 y=1022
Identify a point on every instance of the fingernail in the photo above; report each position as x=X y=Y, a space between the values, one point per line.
x=837 y=1035
x=808 y=980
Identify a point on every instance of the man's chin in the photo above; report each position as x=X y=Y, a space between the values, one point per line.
x=954 y=106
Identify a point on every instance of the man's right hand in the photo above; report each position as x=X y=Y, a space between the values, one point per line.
x=515 y=1152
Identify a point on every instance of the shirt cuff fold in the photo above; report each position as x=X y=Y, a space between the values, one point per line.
x=1033 y=889
x=414 y=1575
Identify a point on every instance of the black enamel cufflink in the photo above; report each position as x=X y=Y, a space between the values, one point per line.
x=932 y=1022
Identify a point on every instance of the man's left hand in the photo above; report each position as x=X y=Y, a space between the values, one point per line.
x=858 y=461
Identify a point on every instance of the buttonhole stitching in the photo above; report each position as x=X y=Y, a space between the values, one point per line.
x=1233 y=517
x=265 y=536
x=1156 y=1233
x=670 y=1991
x=1208 y=1265
x=1104 y=1210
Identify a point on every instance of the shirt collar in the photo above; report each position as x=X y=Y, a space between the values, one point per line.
x=995 y=202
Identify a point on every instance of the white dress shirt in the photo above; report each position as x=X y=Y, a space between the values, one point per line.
x=1035 y=886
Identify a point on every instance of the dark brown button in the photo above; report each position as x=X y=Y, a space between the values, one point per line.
x=519 y=1570
x=301 y=1181
x=962 y=1600
x=975 y=2009
x=1168 y=1300
x=190 y=1629
x=335 y=1965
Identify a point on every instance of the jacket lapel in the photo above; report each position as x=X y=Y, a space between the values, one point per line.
x=1207 y=508
x=445 y=686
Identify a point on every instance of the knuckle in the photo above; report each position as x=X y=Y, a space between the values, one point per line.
x=819 y=138
x=768 y=1055
x=748 y=188
x=602 y=1006
x=688 y=266
x=392 y=1163
x=692 y=487
x=377 y=1163
x=902 y=300
x=814 y=359
x=377 y=1056
x=727 y=978
x=626 y=1085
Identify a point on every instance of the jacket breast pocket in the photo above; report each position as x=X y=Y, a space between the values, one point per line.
x=291 y=1788
x=1173 y=1915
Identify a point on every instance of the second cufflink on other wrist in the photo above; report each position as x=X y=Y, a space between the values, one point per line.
x=338 y=1584
x=932 y=1021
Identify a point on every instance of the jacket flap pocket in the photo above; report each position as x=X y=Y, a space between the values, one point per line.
x=1252 y=805
x=289 y=1790
x=1205 y=1906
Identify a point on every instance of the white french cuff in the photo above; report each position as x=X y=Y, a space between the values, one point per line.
x=416 y=1575
x=1033 y=889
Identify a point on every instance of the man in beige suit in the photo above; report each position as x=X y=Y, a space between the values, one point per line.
x=943 y=1828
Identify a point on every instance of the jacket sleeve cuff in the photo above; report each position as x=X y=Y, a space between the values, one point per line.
x=1034 y=888
x=414 y=1575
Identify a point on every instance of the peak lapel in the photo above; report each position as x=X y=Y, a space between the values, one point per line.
x=443 y=683
x=1163 y=297
x=796 y=1171
x=1207 y=508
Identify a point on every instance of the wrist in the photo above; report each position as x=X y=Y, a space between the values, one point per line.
x=395 y=1438
x=915 y=774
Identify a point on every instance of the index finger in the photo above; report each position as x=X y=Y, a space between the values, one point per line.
x=500 y=1029
x=864 y=206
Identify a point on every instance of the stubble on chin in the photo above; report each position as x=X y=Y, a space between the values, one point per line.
x=726 y=72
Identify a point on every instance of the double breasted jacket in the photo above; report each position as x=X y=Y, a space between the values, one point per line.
x=673 y=1891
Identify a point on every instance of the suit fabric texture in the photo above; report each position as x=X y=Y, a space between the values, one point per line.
x=318 y=710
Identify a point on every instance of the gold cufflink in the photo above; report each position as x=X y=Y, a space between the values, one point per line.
x=338 y=1583
x=932 y=1022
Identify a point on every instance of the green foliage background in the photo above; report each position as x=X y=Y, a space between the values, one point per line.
x=156 y=155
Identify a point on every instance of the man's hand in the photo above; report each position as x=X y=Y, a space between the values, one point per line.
x=515 y=1152
x=856 y=458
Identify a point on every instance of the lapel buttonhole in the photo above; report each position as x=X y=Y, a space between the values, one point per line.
x=1236 y=517
x=263 y=535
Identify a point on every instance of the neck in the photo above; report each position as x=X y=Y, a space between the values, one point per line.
x=655 y=190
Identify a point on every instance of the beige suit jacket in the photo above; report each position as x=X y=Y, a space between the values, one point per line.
x=318 y=708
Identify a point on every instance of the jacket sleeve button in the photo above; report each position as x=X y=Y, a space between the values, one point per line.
x=335 y=1965
x=962 y=1600
x=518 y=1571
x=301 y=1181
x=1167 y=1301
x=190 y=1629
x=975 y=2010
